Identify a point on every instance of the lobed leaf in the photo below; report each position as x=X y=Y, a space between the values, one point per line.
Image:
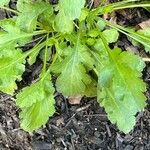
x=120 y=89
x=12 y=59
x=4 y=2
x=66 y=26
x=69 y=10
x=145 y=38
x=11 y=67
x=141 y=36
x=35 y=51
x=74 y=78
x=27 y=19
x=111 y=35
x=37 y=104
x=12 y=33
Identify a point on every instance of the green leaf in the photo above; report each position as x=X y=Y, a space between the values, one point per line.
x=111 y=35
x=146 y=42
x=11 y=67
x=37 y=104
x=11 y=58
x=35 y=51
x=12 y=33
x=90 y=41
x=99 y=54
x=141 y=36
x=49 y=55
x=93 y=33
x=69 y=10
x=46 y=20
x=27 y=19
x=84 y=14
x=66 y=26
x=120 y=89
x=101 y=24
x=91 y=89
x=74 y=78
x=4 y=2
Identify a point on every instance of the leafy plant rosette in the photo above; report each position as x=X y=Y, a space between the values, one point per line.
x=73 y=42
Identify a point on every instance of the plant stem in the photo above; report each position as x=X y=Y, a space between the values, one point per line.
x=146 y=59
x=136 y=36
x=11 y=10
x=101 y=9
x=45 y=54
x=43 y=75
x=131 y=6
x=34 y=48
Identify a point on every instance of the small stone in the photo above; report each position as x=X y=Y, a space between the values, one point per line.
x=97 y=134
x=128 y=147
x=38 y=145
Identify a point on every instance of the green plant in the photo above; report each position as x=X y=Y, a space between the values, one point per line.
x=83 y=61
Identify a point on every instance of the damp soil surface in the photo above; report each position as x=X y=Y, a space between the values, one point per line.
x=78 y=127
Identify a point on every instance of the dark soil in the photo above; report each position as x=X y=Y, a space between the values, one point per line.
x=77 y=127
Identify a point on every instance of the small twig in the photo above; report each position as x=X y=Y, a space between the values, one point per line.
x=55 y=127
x=66 y=106
x=108 y=131
x=9 y=9
x=63 y=142
x=83 y=108
x=91 y=4
x=76 y=25
x=95 y=115
x=70 y=120
x=146 y=59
